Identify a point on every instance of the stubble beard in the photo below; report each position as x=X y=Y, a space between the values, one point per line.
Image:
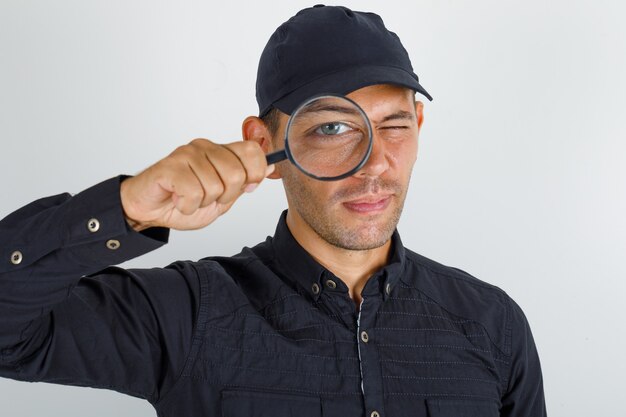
x=372 y=233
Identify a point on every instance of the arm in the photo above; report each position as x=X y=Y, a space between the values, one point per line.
x=524 y=396
x=127 y=330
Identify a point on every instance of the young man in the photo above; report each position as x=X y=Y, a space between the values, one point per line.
x=332 y=316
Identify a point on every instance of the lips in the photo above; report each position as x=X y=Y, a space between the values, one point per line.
x=368 y=205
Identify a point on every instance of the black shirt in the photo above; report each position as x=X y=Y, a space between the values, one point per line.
x=267 y=332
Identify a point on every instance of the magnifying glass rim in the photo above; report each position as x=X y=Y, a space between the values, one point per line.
x=337 y=177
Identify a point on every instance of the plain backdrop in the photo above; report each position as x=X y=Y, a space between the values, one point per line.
x=520 y=178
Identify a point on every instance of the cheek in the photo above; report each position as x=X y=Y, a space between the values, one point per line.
x=403 y=154
x=299 y=186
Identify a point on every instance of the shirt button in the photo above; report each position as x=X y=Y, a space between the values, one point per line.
x=375 y=414
x=113 y=244
x=93 y=225
x=315 y=288
x=331 y=284
x=365 y=337
x=16 y=257
x=388 y=289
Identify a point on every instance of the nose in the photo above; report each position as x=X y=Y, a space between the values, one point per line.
x=378 y=161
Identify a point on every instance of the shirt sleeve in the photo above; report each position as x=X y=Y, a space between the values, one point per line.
x=524 y=396
x=68 y=317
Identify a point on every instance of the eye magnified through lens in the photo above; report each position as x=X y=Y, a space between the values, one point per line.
x=328 y=137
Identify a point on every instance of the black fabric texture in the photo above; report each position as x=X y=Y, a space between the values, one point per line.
x=250 y=335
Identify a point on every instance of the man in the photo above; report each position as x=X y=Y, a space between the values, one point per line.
x=332 y=316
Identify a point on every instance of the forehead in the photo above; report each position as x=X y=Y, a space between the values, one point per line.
x=382 y=96
x=380 y=101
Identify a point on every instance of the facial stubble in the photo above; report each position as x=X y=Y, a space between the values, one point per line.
x=372 y=232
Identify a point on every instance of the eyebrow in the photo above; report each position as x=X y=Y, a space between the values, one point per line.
x=399 y=115
x=319 y=107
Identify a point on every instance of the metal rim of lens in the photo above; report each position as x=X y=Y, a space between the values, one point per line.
x=369 y=137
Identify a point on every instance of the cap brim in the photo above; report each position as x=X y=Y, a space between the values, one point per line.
x=346 y=81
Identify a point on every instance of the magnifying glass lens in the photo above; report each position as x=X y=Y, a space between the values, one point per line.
x=329 y=137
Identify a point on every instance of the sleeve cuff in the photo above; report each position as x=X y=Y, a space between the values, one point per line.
x=96 y=229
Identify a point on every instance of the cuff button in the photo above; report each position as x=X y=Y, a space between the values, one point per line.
x=93 y=225
x=16 y=257
x=113 y=244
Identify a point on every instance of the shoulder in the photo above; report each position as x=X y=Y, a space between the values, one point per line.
x=463 y=295
x=242 y=264
x=246 y=277
x=448 y=277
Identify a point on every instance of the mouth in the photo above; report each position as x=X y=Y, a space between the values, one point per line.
x=371 y=204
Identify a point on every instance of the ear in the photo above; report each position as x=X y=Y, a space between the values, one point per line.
x=253 y=128
x=419 y=111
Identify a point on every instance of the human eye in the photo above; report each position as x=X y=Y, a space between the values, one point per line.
x=396 y=133
x=334 y=135
x=332 y=128
x=396 y=127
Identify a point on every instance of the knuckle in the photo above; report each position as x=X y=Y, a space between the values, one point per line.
x=201 y=142
x=256 y=176
x=193 y=148
x=196 y=194
x=250 y=148
x=214 y=190
x=181 y=153
x=244 y=149
x=237 y=177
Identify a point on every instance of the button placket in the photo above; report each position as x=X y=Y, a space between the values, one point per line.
x=369 y=359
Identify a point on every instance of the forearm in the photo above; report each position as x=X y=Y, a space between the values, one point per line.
x=49 y=244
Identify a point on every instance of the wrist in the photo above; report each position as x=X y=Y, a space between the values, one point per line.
x=134 y=224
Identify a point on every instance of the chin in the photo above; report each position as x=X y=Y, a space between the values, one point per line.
x=357 y=234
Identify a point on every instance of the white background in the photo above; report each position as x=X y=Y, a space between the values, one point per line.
x=520 y=178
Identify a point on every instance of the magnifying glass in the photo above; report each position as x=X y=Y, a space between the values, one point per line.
x=328 y=137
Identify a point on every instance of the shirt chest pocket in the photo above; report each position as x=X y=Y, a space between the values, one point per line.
x=461 y=408
x=237 y=403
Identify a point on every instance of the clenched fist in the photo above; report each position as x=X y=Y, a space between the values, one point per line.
x=193 y=185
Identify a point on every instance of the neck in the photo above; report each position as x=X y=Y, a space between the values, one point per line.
x=353 y=267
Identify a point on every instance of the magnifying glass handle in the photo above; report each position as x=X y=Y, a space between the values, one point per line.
x=274 y=157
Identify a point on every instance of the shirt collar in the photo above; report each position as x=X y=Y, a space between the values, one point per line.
x=300 y=267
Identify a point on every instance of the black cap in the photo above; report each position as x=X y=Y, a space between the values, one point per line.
x=330 y=49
